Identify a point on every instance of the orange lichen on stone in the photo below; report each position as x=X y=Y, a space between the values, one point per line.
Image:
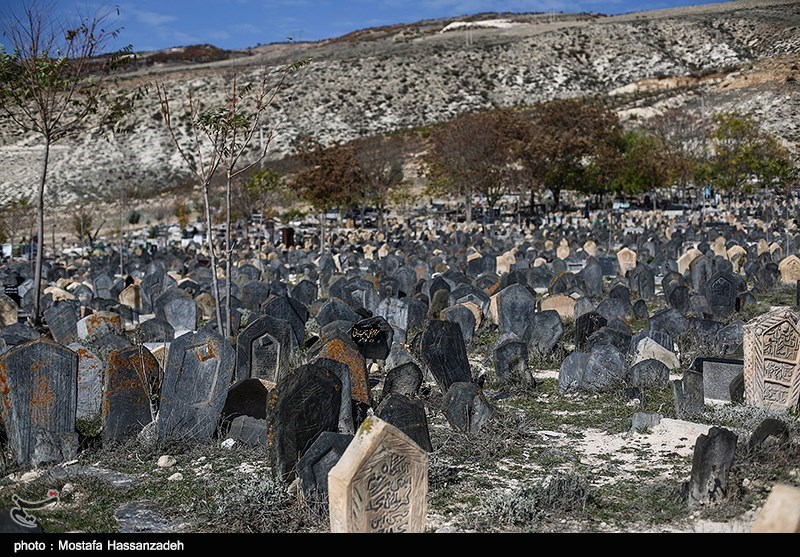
x=212 y=351
x=359 y=383
x=42 y=401
x=5 y=390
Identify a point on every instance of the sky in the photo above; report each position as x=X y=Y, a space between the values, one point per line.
x=235 y=24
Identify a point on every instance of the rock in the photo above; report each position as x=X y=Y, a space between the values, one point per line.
x=166 y=461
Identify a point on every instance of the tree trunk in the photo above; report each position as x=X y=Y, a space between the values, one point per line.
x=212 y=255
x=121 y=227
x=468 y=208
x=322 y=232
x=37 y=275
x=227 y=333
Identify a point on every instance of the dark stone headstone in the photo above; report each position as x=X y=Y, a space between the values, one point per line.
x=90 y=382
x=291 y=311
x=640 y=310
x=729 y=338
x=721 y=293
x=336 y=310
x=249 y=397
x=543 y=332
x=18 y=333
x=769 y=427
x=408 y=416
x=62 y=319
x=176 y=307
x=649 y=373
x=317 y=461
x=711 y=465
x=405 y=379
x=156 y=330
x=642 y=282
x=442 y=351
x=373 y=337
x=466 y=407
x=350 y=409
x=131 y=378
x=197 y=374
x=39 y=397
x=514 y=306
x=606 y=336
x=736 y=388
x=463 y=317
x=585 y=326
x=717 y=376
x=252 y=294
x=249 y=431
x=689 y=395
x=264 y=350
x=308 y=403
x=510 y=357
x=404 y=315
x=304 y=292
x=670 y=321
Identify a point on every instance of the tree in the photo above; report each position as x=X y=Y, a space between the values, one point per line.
x=683 y=136
x=55 y=84
x=220 y=137
x=565 y=143
x=331 y=177
x=644 y=166
x=743 y=156
x=381 y=161
x=474 y=154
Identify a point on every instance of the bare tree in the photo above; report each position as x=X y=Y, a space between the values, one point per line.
x=55 y=84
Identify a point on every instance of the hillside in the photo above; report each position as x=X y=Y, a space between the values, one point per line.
x=739 y=56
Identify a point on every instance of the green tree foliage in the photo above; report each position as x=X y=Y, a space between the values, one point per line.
x=55 y=83
x=645 y=165
x=744 y=158
x=331 y=177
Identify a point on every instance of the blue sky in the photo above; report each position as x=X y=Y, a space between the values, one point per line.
x=230 y=24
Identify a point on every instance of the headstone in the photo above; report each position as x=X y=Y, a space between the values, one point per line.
x=464 y=317
x=563 y=304
x=466 y=407
x=373 y=337
x=648 y=348
x=404 y=315
x=789 y=268
x=543 y=332
x=176 y=307
x=780 y=513
x=62 y=319
x=442 y=351
x=264 y=350
x=249 y=431
x=90 y=382
x=511 y=309
x=336 y=310
x=289 y=310
x=131 y=378
x=249 y=397
x=718 y=373
x=351 y=411
x=131 y=297
x=510 y=357
x=721 y=292
x=380 y=483
x=689 y=395
x=315 y=464
x=9 y=311
x=405 y=379
x=711 y=465
x=308 y=403
x=196 y=378
x=344 y=351
x=769 y=428
x=772 y=360
x=407 y=415
x=649 y=373
x=99 y=324
x=156 y=330
x=39 y=397
x=626 y=259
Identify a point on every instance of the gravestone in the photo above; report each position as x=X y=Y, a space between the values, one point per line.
x=405 y=379
x=264 y=350
x=344 y=351
x=62 y=319
x=336 y=310
x=9 y=311
x=289 y=310
x=626 y=259
x=132 y=376
x=249 y=397
x=304 y=292
x=721 y=292
x=440 y=348
x=510 y=358
x=789 y=268
x=711 y=465
x=769 y=429
x=718 y=373
x=315 y=464
x=563 y=304
x=466 y=408
x=249 y=431
x=156 y=330
x=308 y=402
x=586 y=325
x=543 y=332
x=90 y=382
x=351 y=411
x=131 y=297
x=780 y=514
x=407 y=415
x=689 y=395
x=649 y=373
x=373 y=337
x=196 y=378
x=511 y=309
x=175 y=306
x=642 y=282
x=99 y=324
x=380 y=483
x=772 y=360
x=464 y=317
x=404 y=315
x=39 y=397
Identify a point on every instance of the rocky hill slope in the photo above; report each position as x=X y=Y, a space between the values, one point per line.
x=742 y=56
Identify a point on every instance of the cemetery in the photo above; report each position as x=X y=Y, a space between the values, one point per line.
x=561 y=304
x=634 y=380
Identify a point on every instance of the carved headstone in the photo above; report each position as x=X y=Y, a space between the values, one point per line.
x=380 y=483
x=132 y=376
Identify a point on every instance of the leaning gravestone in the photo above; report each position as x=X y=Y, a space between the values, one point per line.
x=39 y=395
x=308 y=403
x=315 y=464
x=131 y=378
x=62 y=319
x=380 y=483
x=373 y=337
x=510 y=358
x=9 y=311
x=511 y=309
x=176 y=307
x=441 y=349
x=196 y=379
x=689 y=395
x=466 y=408
x=718 y=374
x=404 y=379
x=543 y=332
x=407 y=415
x=772 y=360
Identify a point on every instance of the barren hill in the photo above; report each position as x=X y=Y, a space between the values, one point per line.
x=742 y=56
